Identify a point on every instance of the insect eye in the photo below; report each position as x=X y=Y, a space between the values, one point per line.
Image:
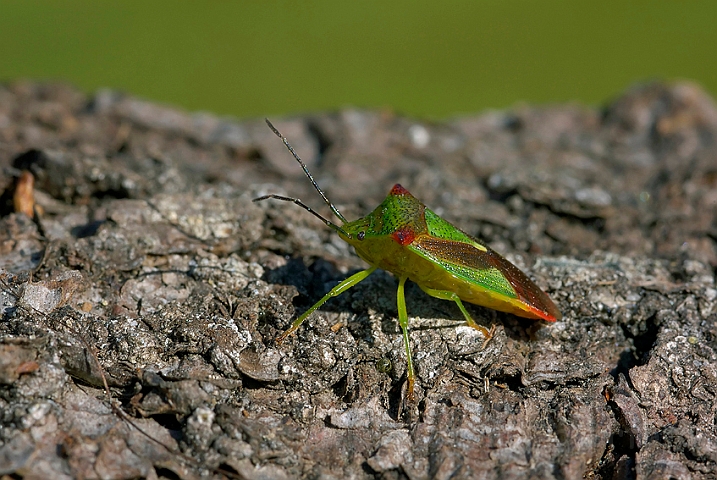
x=361 y=235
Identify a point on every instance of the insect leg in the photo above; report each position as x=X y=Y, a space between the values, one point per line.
x=448 y=295
x=337 y=290
x=403 y=322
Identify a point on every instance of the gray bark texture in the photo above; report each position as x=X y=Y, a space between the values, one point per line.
x=146 y=263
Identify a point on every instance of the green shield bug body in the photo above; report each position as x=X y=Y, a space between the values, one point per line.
x=407 y=239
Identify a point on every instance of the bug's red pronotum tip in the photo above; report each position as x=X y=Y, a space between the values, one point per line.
x=398 y=190
x=405 y=235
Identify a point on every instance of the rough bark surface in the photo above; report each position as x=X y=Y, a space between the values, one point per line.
x=147 y=262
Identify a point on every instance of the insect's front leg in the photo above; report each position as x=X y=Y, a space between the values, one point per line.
x=337 y=290
x=448 y=295
x=403 y=322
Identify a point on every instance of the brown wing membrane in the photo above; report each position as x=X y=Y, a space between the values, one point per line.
x=456 y=252
x=526 y=289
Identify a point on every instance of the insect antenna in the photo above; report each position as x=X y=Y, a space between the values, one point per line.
x=306 y=171
x=298 y=202
x=328 y=223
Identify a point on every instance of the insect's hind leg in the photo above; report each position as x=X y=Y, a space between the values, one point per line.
x=448 y=295
x=337 y=290
x=403 y=322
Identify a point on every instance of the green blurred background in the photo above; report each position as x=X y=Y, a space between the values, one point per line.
x=423 y=58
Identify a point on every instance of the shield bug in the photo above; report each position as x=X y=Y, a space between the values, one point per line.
x=405 y=238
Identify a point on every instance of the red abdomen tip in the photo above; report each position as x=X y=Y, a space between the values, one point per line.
x=398 y=190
